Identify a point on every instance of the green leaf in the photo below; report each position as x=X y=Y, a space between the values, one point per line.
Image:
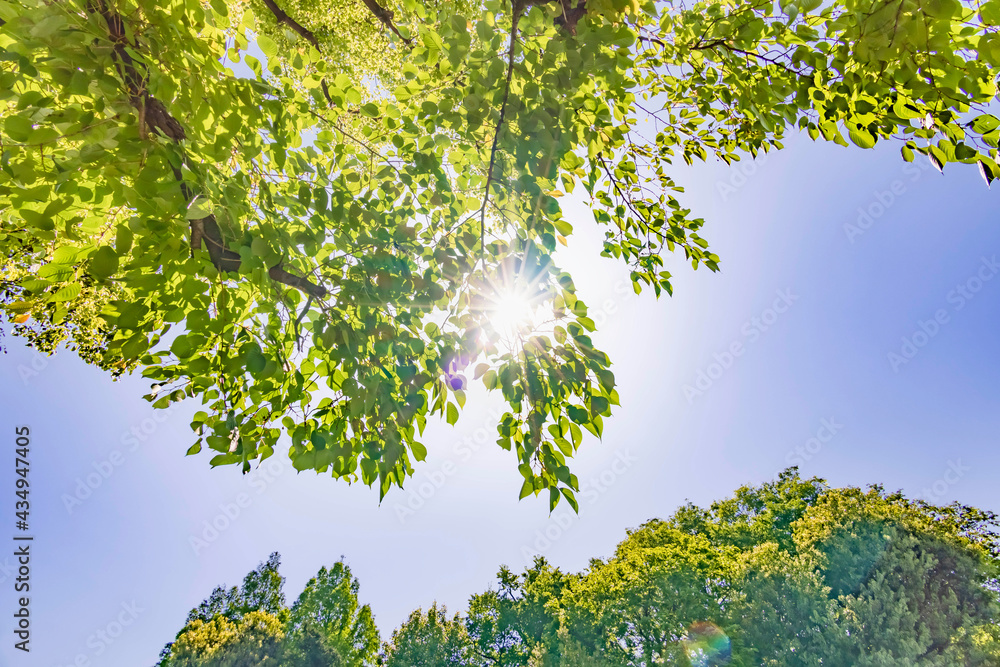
x=941 y=9
x=369 y=470
x=578 y=414
x=598 y=405
x=304 y=461
x=35 y=285
x=55 y=272
x=452 y=414
x=607 y=378
x=318 y=440
x=49 y=25
x=964 y=152
x=201 y=207
x=490 y=380
x=987 y=171
x=256 y=362
x=570 y=498
x=990 y=12
x=985 y=123
x=225 y=459
x=419 y=451
x=67 y=293
x=564 y=446
x=182 y=347
x=267 y=45
x=104 y=262
x=434 y=45
x=484 y=31
x=259 y=247
x=860 y=137
x=936 y=157
x=66 y=254
x=18 y=128
x=123 y=240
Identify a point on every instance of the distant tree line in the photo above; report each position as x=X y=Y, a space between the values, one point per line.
x=790 y=573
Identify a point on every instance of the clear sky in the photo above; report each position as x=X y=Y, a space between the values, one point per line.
x=813 y=301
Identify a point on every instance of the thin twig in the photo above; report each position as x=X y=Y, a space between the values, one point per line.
x=516 y=7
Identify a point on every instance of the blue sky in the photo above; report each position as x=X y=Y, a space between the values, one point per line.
x=814 y=302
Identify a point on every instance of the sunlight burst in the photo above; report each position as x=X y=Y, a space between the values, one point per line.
x=511 y=314
x=516 y=307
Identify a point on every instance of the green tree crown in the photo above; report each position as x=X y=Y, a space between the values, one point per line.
x=316 y=243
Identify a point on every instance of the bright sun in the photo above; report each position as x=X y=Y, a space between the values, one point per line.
x=511 y=314
x=518 y=314
x=517 y=305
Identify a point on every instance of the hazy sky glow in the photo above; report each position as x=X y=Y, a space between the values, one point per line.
x=852 y=331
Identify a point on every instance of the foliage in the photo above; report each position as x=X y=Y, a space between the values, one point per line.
x=261 y=591
x=844 y=577
x=250 y=626
x=311 y=648
x=907 y=589
x=429 y=638
x=252 y=641
x=328 y=607
x=314 y=244
x=507 y=624
x=761 y=572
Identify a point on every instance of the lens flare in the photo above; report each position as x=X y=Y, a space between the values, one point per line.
x=514 y=302
x=707 y=645
x=511 y=313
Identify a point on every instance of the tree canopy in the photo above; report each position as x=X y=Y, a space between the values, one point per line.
x=787 y=574
x=250 y=625
x=317 y=241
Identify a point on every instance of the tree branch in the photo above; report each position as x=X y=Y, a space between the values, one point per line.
x=154 y=114
x=385 y=16
x=284 y=18
x=226 y=259
x=709 y=46
x=517 y=7
x=571 y=15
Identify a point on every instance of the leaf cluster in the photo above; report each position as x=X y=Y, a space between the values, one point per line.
x=312 y=243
